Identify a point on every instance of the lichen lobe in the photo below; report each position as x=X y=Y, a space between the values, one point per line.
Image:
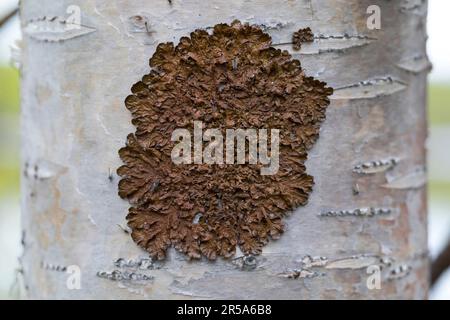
x=231 y=78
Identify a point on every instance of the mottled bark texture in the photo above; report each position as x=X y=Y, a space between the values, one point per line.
x=230 y=79
x=367 y=207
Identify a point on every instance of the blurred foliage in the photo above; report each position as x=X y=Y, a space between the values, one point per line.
x=439 y=104
x=439 y=115
x=9 y=180
x=439 y=190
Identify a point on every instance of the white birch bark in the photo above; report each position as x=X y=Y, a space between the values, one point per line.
x=75 y=80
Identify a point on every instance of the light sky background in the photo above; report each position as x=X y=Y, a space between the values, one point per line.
x=438 y=43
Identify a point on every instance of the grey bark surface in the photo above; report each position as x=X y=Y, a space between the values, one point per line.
x=368 y=206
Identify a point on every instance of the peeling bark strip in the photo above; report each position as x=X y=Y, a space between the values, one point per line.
x=231 y=78
x=332 y=43
x=311 y=267
x=418 y=7
x=117 y=275
x=356 y=262
x=53 y=267
x=325 y=43
x=415 y=64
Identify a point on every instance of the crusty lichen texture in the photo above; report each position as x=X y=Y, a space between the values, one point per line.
x=228 y=78
x=300 y=36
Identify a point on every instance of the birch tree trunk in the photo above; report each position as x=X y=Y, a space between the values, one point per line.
x=367 y=214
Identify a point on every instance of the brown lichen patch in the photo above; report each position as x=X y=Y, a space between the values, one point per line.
x=231 y=78
x=300 y=36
